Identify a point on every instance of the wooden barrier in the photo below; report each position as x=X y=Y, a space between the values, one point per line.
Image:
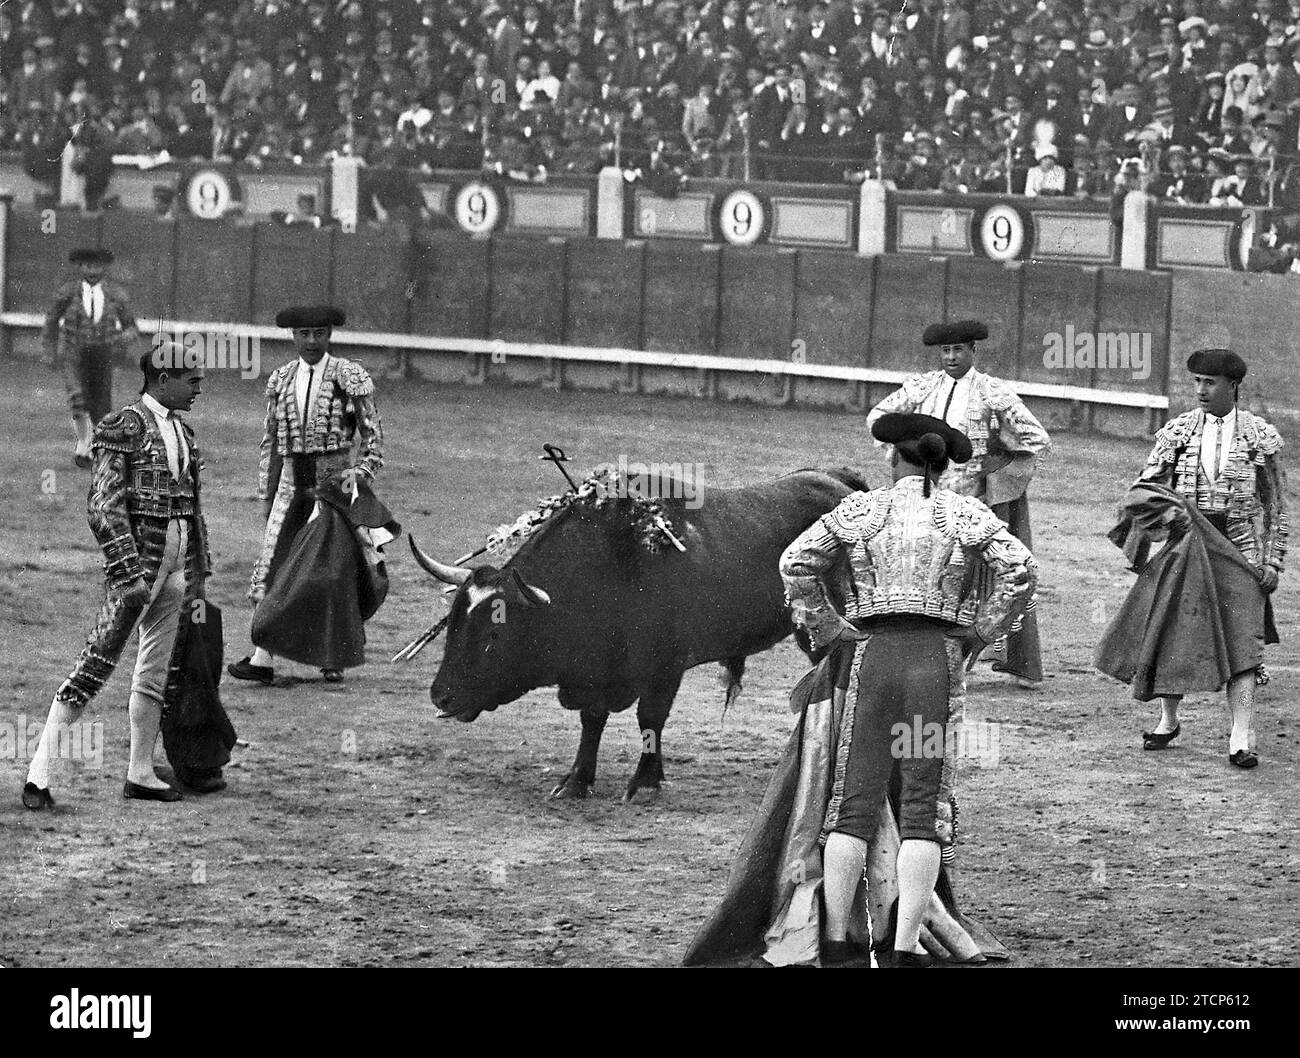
x=767 y=324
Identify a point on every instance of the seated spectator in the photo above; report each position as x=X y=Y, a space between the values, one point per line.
x=544 y=82
x=1243 y=188
x=141 y=136
x=1047 y=178
x=1176 y=185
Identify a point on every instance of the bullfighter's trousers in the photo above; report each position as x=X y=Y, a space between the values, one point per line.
x=88 y=375
x=158 y=621
x=900 y=681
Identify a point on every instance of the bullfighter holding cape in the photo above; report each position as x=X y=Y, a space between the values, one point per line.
x=320 y=573
x=1199 y=616
x=850 y=796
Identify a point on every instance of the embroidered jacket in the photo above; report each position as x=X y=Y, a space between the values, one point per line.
x=1250 y=491
x=133 y=495
x=68 y=327
x=345 y=408
x=992 y=406
x=910 y=554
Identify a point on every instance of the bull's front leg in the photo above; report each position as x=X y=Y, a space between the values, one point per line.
x=582 y=775
x=652 y=713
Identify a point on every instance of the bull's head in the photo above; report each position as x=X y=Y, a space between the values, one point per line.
x=490 y=653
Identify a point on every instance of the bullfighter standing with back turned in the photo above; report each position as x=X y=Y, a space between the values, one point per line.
x=318 y=405
x=1007 y=442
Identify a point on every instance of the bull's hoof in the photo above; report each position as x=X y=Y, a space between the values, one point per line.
x=572 y=789
x=651 y=788
x=649 y=775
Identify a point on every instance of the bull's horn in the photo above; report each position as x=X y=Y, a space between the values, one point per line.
x=533 y=596
x=443 y=572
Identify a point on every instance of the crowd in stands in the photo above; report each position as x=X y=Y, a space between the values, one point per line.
x=1196 y=100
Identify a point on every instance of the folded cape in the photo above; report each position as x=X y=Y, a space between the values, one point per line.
x=197 y=733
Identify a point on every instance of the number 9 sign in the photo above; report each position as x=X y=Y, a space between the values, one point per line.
x=1002 y=233
x=208 y=194
x=742 y=218
x=478 y=208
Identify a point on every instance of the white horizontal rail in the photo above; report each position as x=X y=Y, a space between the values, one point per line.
x=594 y=354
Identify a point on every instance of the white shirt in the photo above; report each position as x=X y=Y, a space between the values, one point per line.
x=1040 y=180
x=1210 y=438
x=960 y=390
x=178 y=456
x=306 y=371
x=92 y=300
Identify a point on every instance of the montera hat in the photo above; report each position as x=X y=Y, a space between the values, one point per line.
x=962 y=332
x=1217 y=362
x=310 y=316
x=900 y=428
x=91 y=255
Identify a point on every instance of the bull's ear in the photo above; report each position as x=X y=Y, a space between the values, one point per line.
x=531 y=595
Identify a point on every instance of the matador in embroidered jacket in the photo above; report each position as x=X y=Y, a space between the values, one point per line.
x=143 y=508
x=322 y=424
x=870 y=758
x=1008 y=444
x=1246 y=492
x=1220 y=465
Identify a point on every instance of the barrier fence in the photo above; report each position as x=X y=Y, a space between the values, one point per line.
x=773 y=324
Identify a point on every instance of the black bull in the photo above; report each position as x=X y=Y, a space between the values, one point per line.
x=584 y=607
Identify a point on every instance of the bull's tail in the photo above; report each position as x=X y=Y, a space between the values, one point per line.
x=732 y=671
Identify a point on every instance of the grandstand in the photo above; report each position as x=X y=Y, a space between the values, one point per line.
x=934 y=95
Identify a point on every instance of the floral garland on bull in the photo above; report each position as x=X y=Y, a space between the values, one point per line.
x=603 y=487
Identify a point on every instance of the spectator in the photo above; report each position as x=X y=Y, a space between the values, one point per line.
x=544 y=82
x=1243 y=188
x=735 y=141
x=1176 y=185
x=286 y=82
x=1046 y=178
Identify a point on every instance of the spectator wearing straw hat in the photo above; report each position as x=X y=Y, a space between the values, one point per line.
x=1193 y=32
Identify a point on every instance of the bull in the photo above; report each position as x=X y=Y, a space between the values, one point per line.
x=582 y=606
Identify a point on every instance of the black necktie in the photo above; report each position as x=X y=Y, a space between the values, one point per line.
x=306 y=400
x=948 y=403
